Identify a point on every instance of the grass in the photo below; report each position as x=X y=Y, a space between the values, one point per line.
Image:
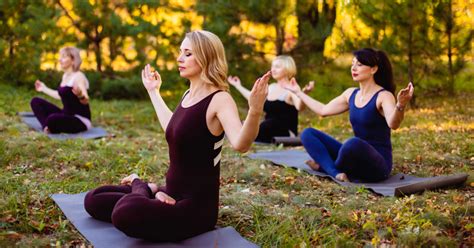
x=271 y=206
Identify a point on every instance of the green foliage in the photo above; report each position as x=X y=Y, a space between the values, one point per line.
x=27 y=30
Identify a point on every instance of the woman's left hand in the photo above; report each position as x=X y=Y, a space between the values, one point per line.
x=78 y=92
x=259 y=92
x=404 y=95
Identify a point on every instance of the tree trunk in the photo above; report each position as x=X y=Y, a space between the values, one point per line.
x=410 y=49
x=449 y=30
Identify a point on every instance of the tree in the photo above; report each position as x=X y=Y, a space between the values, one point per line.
x=457 y=40
x=27 y=29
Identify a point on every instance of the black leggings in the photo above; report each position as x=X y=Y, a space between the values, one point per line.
x=49 y=115
x=269 y=129
x=134 y=211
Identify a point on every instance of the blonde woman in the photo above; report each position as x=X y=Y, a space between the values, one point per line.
x=72 y=91
x=281 y=107
x=188 y=204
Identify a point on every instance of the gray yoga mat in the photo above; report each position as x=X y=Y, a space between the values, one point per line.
x=29 y=119
x=396 y=185
x=103 y=234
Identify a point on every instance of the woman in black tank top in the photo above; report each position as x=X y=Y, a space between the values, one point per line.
x=281 y=106
x=188 y=204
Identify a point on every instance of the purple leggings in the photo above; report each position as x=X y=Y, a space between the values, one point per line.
x=134 y=211
x=49 y=115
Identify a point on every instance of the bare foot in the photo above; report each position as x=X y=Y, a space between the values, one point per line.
x=342 y=177
x=162 y=196
x=46 y=130
x=153 y=187
x=312 y=164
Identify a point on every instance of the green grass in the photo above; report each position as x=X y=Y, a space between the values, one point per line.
x=271 y=206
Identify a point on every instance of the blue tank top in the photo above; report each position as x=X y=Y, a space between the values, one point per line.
x=368 y=124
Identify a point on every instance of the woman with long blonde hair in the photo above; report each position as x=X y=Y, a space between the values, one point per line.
x=188 y=204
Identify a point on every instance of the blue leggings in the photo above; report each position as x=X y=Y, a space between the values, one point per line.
x=357 y=158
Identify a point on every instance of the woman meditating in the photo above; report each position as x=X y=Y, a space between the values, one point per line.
x=373 y=112
x=188 y=204
x=72 y=91
x=281 y=107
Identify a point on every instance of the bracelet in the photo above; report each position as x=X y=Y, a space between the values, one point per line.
x=399 y=108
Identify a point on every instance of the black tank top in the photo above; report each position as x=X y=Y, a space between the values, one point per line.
x=284 y=113
x=194 y=154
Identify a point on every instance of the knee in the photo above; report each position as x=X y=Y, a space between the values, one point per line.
x=89 y=204
x=35 y=102
x=124 y=215
x=308 y=134
x=351 y=145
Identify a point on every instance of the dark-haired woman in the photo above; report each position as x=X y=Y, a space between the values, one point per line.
x=373 y=112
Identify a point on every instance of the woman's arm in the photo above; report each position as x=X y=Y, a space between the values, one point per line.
x=297 y=102
x=41 y=87
x=241 y=135
x=394 y=112
x=335 y=106
x=152 y=82
x=235 y=81
x=80 y=89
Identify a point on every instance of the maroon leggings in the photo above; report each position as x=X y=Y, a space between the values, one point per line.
x=49 y=115
x=134 y=211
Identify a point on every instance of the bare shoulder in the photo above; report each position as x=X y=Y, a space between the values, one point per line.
x=386 y=95
x=348 y=92
x=222 y=100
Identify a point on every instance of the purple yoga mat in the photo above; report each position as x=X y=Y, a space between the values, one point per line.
x=104 y=234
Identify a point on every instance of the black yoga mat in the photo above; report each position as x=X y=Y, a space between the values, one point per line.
x=396 y=185
x=29 y=119
x=282 y=140
x=104 y=234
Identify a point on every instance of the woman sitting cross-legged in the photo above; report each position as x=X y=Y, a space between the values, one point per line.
x=373 y=112
x=72 y=91
x=188 y=204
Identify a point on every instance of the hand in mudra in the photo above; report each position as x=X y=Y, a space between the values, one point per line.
x=259 y=92
x=151 y=79
x=234 y=81
x=39 y=86
x=163 y=197
x=129 y=179
x=308 y=88
x=404 y=95
x=293 y=86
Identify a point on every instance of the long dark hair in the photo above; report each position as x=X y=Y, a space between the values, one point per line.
x=384 y=75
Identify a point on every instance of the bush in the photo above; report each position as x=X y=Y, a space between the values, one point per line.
x=123 y=88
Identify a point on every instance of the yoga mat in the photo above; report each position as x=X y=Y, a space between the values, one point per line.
x=29 y=119
x=396 y=185
x=283 y=140
x=104 y=234
x=287 y=141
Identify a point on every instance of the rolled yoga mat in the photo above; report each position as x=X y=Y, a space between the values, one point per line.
x=396 y=185
x=29 y=119
x=287 y=141
x=104 y=234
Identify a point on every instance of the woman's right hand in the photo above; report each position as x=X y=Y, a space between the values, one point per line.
x=234 y=81
x=308 y=88
x=151 y=79
x=293 y=86
x=259 y=92
x=163 y=197
x=39 y=86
